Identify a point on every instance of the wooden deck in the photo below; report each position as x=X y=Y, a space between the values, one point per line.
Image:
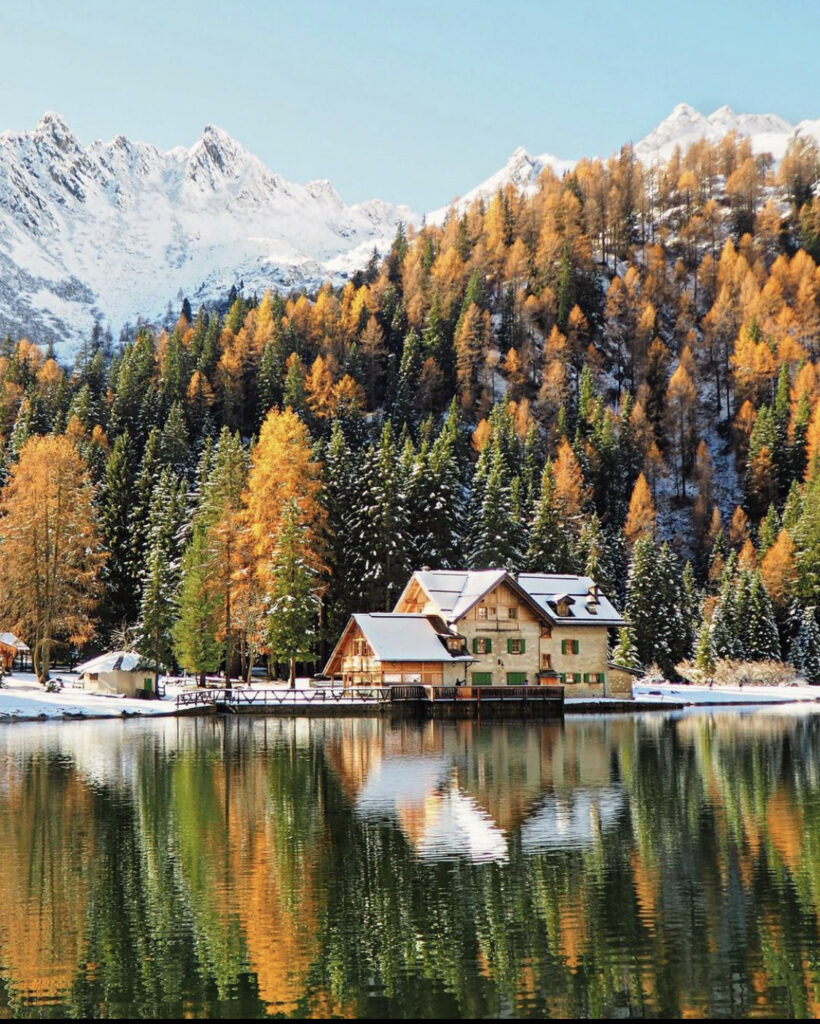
x=425 y=699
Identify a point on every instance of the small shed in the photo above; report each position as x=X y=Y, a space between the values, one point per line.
x=118 y=672
x=13 y=650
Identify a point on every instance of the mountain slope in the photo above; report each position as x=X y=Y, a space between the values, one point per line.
x=116 y=230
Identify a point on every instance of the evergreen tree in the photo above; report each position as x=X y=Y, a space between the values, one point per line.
x=495 y=535
x=198 y=611
x=761 y=638
x=120 y=573
x=625 y=651
x=294 y=600
x=804 y=651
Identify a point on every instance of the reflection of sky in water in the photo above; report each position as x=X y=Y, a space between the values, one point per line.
x=573 y=821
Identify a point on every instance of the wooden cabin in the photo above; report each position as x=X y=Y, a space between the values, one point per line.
x=395 y=649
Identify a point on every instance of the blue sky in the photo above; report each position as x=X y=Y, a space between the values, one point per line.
x=414 y=103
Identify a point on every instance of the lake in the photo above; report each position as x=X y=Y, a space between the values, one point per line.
x=664 y=864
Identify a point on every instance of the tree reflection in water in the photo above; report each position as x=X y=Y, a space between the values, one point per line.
x=662 y=864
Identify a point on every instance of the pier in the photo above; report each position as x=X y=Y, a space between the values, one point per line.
x=427 y=701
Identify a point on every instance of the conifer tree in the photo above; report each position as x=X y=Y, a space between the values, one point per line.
x=804 y=651
x=120 y=573
x=198 y=611
x=705 y=652
x=761 y=639
x=550 y=543
x=295 y=598
x=494 y=541
x=625 y=651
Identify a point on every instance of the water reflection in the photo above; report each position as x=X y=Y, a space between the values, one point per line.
x=652 y=865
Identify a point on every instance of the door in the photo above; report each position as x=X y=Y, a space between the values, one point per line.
x=516 y=678
x=482 y=679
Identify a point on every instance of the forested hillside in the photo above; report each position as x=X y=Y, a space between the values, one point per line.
x=616 y=375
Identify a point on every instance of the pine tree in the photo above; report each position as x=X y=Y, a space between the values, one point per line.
x=120 y=574
x=761 y=639
x=705 y=652
x=550 y=541
x=625 y=651
x=653 y=604
x=294 y=601
x=161 y=573
x=494 y=535
x=804 y=651
x=198 y=611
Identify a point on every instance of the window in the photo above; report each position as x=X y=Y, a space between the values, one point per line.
x=546 y=661
x=455 y=644
x=516 y=645
x=570 y=647
x=360 y=648
x=482 y=613
x=512 y=613
x=482 y=645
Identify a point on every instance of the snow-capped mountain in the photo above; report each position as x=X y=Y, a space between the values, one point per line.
x=115 y=230
x=521 y=170
x=767 y=133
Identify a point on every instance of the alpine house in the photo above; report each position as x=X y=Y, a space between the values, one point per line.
x=484 y=627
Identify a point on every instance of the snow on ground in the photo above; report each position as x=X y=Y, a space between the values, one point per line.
x=22 y=698
x=660 y=693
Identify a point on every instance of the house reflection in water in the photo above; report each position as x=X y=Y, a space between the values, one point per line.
x=439 y=820
x=460 y=791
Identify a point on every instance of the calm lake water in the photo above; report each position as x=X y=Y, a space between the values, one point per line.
x=649 y=865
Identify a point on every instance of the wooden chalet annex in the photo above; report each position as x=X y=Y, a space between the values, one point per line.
x=483 y=627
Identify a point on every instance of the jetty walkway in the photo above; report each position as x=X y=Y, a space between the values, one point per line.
x=432 y=701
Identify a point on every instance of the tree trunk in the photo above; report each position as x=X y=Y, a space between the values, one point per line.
x=293 y=673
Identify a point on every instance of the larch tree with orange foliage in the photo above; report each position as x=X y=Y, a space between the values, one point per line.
x=51 y=550
x=283 y=496
x=642 y=516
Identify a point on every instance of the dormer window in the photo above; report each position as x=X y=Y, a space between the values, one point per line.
x=455 y=645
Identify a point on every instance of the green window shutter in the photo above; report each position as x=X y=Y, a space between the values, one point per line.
x=509 y=646
x=577 y=677
x=475 y=645
x=562 y=677
x=489 y=645
x=563 y=647
x=523 y=646
x=586 y=677
x=576 y=646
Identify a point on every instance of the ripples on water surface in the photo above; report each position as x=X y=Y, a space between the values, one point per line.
x=655 y=865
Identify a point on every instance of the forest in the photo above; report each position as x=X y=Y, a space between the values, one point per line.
x=616 y=375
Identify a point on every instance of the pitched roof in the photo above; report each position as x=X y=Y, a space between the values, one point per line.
x=545 y=588
x=455 y=591
x=401 y=636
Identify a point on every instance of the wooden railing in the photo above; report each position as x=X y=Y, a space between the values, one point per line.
x=235 y=699
x=252 y=697
x=477 y=693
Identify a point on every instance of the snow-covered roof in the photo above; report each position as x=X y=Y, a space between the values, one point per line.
x=123 y=661
x=455 y=591
x=546 y=588
x=10 y=640
x=399 y=636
